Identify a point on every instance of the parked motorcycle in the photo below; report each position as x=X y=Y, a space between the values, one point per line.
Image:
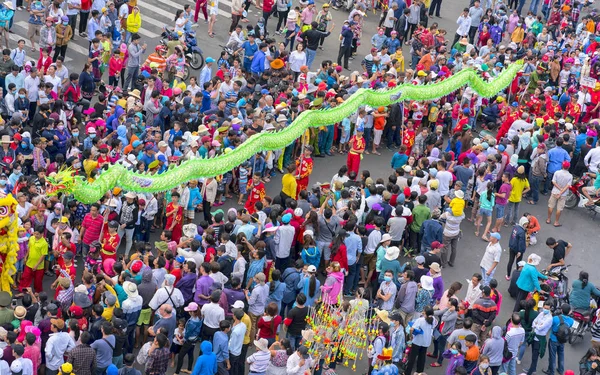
x=582 y=322
x=574 y=193
x=558 y=283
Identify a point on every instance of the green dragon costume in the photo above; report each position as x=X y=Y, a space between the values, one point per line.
x=118 y=175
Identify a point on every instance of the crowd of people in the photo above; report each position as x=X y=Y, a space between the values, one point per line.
x=239 y=283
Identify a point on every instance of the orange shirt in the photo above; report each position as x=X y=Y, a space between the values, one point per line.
x=379 y=123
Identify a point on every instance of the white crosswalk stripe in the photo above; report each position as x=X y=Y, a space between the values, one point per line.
x=29 y=55
x=154 y=18
x=73 y=46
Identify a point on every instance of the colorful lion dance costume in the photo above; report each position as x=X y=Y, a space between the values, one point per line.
x=9 y=224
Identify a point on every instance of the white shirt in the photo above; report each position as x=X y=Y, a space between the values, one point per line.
x=293 y=365
x=445 y=179
x=473 y=293
x=26 y=364
x=57 y=345
x=389 y=19
x=492 y=254
x=562 y=178
x=464 y=23
x=73 y=12
x=56 y=81
x=32 y=87
x=296 y=60
x=592 y=159
x=212 y=314
x=161 y=297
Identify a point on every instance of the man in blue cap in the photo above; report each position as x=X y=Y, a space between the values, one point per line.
x=206 y=72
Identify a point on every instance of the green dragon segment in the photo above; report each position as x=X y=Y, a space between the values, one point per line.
x=129 y=180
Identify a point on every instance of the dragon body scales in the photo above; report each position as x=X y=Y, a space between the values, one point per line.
x=118 y=175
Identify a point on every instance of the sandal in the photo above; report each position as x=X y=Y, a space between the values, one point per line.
x=435 y=364
x=430 y=355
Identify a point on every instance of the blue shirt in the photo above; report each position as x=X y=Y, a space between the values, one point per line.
x=205 y=101
x=37 y=20
x=258 y=63
x=205 y=75
x=221 y=346
x=398 y=160
x=249 y=49
x=579 y=140
x=237 y=339
x=556 y=322
x=556 y=156
x=353 y=247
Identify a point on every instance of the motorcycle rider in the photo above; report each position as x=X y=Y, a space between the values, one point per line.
x=581 y=292
x=158 y=57
x=560 y=250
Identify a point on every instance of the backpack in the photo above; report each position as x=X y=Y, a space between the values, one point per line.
x=433 y=112
x=563 y=332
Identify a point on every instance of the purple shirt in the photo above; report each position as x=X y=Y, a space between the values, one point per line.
x=186 y=285
x=438 y=287
x=505 y=188
x=233 y=295
x=203 y=286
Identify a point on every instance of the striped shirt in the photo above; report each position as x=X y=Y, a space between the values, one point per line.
x=231 y=94
x=259 y=361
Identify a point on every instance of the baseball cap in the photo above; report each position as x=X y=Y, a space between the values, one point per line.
x=496 y=235
x=566 y=165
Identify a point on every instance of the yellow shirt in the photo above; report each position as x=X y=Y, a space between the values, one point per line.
x=37 y=250
x=288 y=185
x=458 y=206
x=518 y=186
x=108 y=313
x=248 y=323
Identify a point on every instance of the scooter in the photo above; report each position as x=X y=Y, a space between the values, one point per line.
x=193 y=53
x=574 y=193
x=582 y=322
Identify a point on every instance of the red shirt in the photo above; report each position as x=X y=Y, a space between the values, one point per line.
x=92 y=228
x=341 y=257
x=264 y=327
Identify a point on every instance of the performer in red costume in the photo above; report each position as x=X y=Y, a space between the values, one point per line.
x=256 y=193
x=110 y=241
x=304 y=167
x=408 y=136
x=357 y=147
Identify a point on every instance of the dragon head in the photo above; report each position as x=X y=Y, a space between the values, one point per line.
x=62 y=181
x=8 y=207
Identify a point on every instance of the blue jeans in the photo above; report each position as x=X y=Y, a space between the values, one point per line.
x=522 y=348
x=534 y=182
x=351 y=282
x=368 y=137
x=486 y=279
x=534 y=8
x=548 y=183
x=294 y=340
x=439 y=345
x=310 y=57
x=510 y=367
x=546 y=11
x=554 y=348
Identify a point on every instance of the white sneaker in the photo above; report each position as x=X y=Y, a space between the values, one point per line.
x=518 y=362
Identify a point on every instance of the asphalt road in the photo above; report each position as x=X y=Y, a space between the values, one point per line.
x=578 y=228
